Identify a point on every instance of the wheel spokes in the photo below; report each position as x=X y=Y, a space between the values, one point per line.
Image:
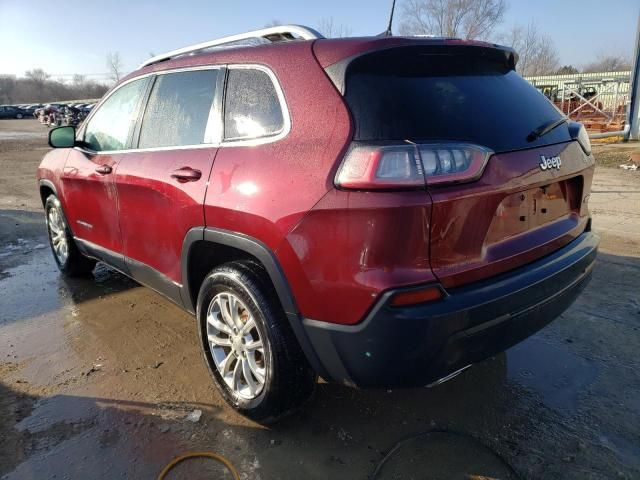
x=225 y=311
x=233 y=307
x=53 y=223
x=236 y=346
x=253 y=345
x=225 y=365
x=219 y=341
x=247 y=327
x=237 y=371
x=248 y=377
x=218 y=325
x=257 y=371
x=57 y=234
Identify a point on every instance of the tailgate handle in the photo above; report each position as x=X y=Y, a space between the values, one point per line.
x=104 y=169
x=186 y=174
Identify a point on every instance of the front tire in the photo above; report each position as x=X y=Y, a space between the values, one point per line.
x=248 y=345
x=19 y=116
x=65 y=252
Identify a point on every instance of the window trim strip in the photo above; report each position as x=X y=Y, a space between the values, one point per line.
x=286 y=118
x=220 y=143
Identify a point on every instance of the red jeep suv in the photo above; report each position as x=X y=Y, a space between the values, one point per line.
x=381 y=211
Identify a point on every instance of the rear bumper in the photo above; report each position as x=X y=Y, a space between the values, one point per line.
x=414 y=346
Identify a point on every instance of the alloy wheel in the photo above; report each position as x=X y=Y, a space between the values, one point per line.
x=236 y=345
x=58 y=235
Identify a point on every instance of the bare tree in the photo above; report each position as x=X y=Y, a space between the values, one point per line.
x=7 y=87
x=609 y=63
x=330 y=29
x=537 y=52
x=273 y=23
x=37 y=86
x=114 y=64
x=79 y=80
x=37 y=76
x=567 y=70
x=469 y=19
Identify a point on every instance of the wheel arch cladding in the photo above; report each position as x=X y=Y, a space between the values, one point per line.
x=46 y=188
x=206 y=248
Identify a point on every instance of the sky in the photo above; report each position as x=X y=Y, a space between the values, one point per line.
x=65 y=37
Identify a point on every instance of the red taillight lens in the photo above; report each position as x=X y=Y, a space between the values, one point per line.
x=369 y=167
x=372 y=167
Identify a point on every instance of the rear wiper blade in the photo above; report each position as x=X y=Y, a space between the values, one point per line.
x=546 y=128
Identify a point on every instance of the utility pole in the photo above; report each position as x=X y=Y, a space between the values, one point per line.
x=634 y=103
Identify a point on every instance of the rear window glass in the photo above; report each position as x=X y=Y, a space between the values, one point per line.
x=439 y=93
x=252 y=108
x=178 y=109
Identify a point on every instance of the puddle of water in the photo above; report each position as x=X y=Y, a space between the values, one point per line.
x=27 y=292
x=552 y=371
x=85 y=437
x=39 y=316
x=20 y=246
x=13 y=135
x=444 y=455
x=628 y=452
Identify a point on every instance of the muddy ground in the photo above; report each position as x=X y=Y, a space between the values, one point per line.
x=97 y=376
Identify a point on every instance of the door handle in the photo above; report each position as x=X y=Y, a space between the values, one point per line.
x=186 y=174
x=104 y=169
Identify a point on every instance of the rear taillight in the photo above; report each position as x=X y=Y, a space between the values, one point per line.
x=371 y=167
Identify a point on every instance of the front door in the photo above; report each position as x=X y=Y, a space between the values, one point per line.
x=161 y=185
x=91 y=199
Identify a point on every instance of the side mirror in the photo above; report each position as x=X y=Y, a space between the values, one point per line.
x=62 y=137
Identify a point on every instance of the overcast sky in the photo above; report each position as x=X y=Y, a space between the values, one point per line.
x=73 y=36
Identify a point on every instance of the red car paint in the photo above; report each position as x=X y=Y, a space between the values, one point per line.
x=335 y=247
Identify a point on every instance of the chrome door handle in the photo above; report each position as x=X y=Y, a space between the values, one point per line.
x=104 y=169
x=186 y=174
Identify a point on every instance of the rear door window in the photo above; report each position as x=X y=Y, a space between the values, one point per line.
x=441 y=93
x=178 y=109
x=252 y=106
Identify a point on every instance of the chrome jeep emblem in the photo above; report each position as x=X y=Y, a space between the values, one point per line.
x=551 y=162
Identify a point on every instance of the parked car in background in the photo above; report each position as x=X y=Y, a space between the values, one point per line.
x=384 y=215
x=11 y=111
x=28 y=110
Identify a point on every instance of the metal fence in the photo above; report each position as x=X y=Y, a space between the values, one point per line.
x=599 y=100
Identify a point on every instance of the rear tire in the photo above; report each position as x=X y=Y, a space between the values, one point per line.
x=65 y=251
x=263 y=383
x=19 y=116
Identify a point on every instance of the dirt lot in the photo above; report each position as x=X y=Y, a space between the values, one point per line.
x=97 y=376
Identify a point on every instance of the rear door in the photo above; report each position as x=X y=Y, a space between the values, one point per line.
x=525 y=202
x=161 y=185
x=90 y=199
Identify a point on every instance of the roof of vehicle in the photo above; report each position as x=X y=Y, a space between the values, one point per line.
x=327 y=50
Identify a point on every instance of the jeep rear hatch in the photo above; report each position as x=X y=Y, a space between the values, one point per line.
x=504 y=173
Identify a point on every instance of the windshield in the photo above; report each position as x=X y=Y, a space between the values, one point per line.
x=455 y=93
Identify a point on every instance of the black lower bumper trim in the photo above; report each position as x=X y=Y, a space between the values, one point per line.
x=414 y=346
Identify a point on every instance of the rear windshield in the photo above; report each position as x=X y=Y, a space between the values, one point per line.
x=446 y=93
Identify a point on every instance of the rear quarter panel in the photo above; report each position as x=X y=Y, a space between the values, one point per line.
x=264 y=191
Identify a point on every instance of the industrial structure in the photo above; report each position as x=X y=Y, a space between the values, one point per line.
x=599 y=100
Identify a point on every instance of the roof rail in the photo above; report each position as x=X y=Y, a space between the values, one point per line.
x=273 y=34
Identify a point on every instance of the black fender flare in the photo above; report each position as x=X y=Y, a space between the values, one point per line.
x=267 y=258
x=43 y=182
